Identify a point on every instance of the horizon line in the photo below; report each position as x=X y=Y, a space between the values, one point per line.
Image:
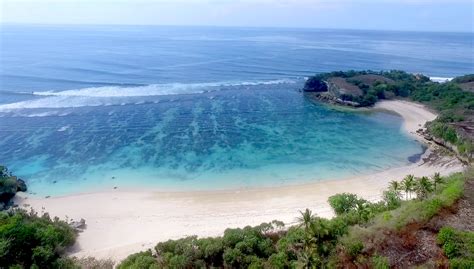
x=235 y=26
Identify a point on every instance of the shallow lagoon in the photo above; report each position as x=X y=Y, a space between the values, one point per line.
x=236 y=136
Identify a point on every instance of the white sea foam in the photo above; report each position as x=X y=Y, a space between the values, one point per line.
x=154 y=89
x=64 y=128
x=440 y=79
x=110 y=95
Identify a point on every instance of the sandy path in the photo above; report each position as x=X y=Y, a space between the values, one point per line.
x=121 y=222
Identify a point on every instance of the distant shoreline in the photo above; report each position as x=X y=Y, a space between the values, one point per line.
x=120 y=222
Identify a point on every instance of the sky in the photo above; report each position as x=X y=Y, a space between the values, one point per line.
x=411 y=15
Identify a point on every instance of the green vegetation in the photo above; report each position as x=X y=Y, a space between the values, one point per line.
x=455 y=105
x=28 y=240
x=458 y=246
x=141 y=260
x=31 y=241
x=315 y=242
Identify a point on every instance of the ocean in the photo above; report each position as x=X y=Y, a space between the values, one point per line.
x=88 y=108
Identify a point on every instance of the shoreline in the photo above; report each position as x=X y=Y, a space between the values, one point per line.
x=120 y=222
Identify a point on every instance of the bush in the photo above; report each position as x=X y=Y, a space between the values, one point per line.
x=315 y=84
x=354 y=248
x=141 y=260
x=29 y=240
x=458 y=246
x=380 y=262
x=93 y=263
x=344 y=202
x=391 y=199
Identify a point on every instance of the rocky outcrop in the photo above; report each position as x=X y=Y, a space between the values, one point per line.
x=78 y=226
x=329 y=98
x=332 y=91
x=446 y=145
x=21 y=185
x=9 y=186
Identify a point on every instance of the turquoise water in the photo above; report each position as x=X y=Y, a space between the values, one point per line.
x=232 y=138
x=91 y=108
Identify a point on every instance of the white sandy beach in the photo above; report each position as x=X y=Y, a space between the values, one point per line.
x=120 y=222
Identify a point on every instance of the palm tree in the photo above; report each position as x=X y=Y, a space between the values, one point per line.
x=395 y=187
x=437 y=179
x=423 y=187
x=306 y=218
x=308 y=260
x=408 y=184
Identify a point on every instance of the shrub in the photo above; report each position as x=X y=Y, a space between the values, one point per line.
x=315 y=84
x=380 y=262
x=343 y=203
x=93 y=263
x=392 y=199
x=458 y=246
x=29 y=240
x=141 y=260
x=354 y=248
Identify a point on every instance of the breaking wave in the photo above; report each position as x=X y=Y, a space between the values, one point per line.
x=107 y=95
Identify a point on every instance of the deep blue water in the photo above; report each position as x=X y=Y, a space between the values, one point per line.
x=87 y=107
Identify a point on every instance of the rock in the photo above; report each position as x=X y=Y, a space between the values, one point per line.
x=2 y=206
x=78 y=225
x=21 y=185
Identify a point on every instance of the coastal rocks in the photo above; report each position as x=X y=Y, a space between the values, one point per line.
x=78 y=226
x=444 y=144
x=21 y=185
x=9 y=186
x=335 y=91
x=331 y=99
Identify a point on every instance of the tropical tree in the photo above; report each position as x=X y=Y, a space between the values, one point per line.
x=308 y=260
x=408 y=185
x=395 y=186
x=391 y=198
x=305 y=219
x=423 y=187
x=307 y=257
x=343 y=202
x=437 y=179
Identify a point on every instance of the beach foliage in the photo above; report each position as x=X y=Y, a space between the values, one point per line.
x=141 y=260
x=29 y=240
x=317 y=242
x=458 y=246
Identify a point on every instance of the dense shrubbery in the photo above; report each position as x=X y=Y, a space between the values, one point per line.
x=31 y=241
x=315 y=84
x=458 y=247
x=315 y=242
x=420 y=211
